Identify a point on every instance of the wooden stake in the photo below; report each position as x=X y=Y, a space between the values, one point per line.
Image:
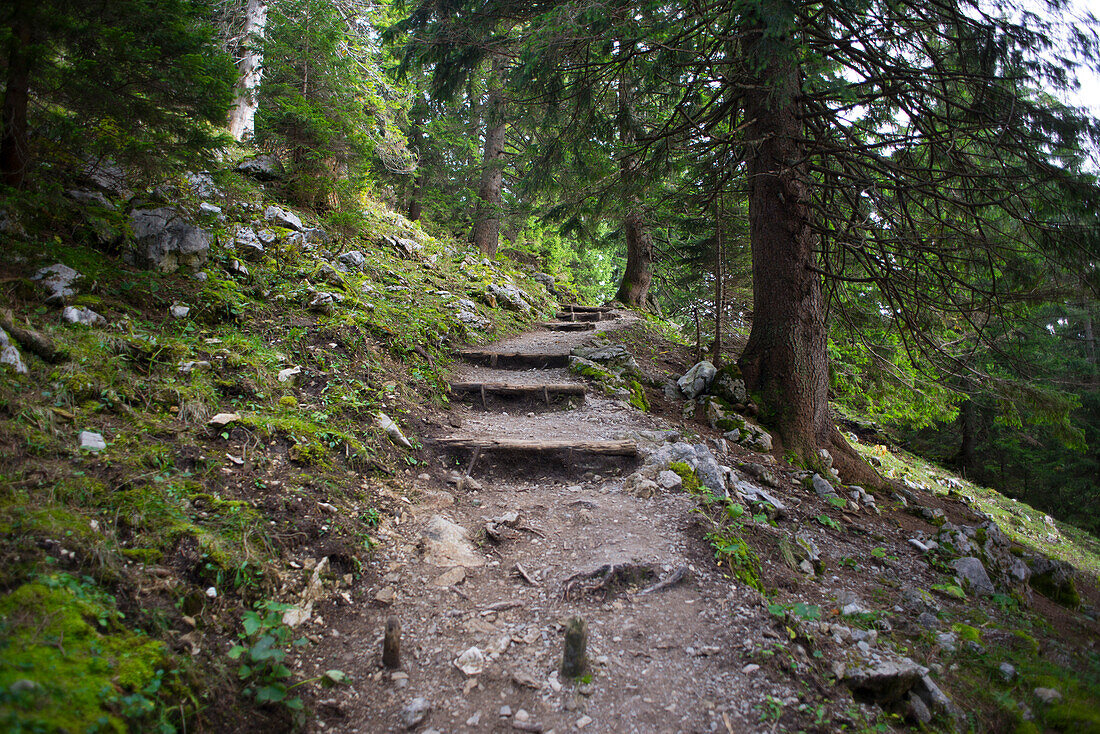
x=391 y=644
x=574 y=660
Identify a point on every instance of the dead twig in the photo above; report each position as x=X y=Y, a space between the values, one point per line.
x=674 y=578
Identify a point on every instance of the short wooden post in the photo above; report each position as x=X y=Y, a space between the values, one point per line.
x=574 y=661
x=391 y=644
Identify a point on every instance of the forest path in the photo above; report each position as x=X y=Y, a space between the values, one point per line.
x=672 y=660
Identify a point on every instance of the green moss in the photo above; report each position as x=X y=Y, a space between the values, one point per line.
x=637 y=396
x=67 y=665
x=1076 y=715
x=143 y=555
x=1026 y=642
x=687 y=474
x=967 y=633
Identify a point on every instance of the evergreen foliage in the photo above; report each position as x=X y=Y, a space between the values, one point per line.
x=139 y=82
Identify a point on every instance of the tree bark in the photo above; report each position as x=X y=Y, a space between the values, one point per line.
x=416 y=139
x=719 y=288
x=966 y=458
x=486 y=233
x=242 y=115
x=785 y=362
x=638 y=273
x=14 y=151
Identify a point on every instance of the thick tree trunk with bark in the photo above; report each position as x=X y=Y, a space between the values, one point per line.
x=242 y=115
x=486 y=233
x=719 y=289
x=638 y=273
x=14 y=153
x=785 y=364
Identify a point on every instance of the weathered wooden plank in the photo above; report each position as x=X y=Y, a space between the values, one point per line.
x=605 y=448
x=514 y=360
x=569 y=326
x=586 y=309
x=503 y=388
x=580 y=316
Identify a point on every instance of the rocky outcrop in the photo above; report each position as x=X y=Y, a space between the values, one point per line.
x=164 y=241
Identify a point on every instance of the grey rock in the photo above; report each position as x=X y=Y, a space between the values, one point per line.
x=936 y=699
x=315 y=235
x=918 y=545
x=972 y=575
x=884 y=681
x=615 y=357
x=949 y=641
x=90 y=198
x=1007 y=671
x=670 y=480
x=1048 y=696
x=729 y=388
x=59 y=281
x=262 y=168
x=9 y=354
x=267 y=237
x=672 y=391
x=92 y=441
x=324 y=302
x=393 y=431
x=290 y=375
x=414 y=712
x=82 y=315
x=822 y=487
x=547 y=280
x=1052 y=578
x=509 y=297
x=163 y=241
x=238 y=268
x=202 y=184
x=928 y=621
x=247 y=243
x=353 y=259
x=211 y=210
x=918 y=709
x=283 y=218
x=753 y=493
x=445 y=544
x=109 y=177
x=696 y=380
x=179 y=311
x=193 y=366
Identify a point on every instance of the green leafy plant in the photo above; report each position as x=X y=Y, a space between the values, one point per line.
x=828 y=522
x=266 y=640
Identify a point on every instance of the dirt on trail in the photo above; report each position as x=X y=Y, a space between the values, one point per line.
x=666 y=661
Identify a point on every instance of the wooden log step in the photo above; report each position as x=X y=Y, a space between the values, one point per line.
x=502 y=388
x=569 y=326
x=514 y=360
x=586 y=309
x=603 y=448
x=580 y=316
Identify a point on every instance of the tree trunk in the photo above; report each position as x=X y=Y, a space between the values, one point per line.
x=638 y=273
x=785 y=363
x=486 y=234
x=719 y=289
x=967 y=421
x=416 y=139
x=14 y=152
x=242 y=115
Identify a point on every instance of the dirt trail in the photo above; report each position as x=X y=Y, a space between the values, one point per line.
x=667 y=661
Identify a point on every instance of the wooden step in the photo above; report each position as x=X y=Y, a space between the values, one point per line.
x=602 y=448
x=545 y=392
x=514 y=360
x=580 y=316
x=569 y=326
x=586 y=309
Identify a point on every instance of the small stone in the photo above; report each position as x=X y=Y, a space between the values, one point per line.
x=393 y=431
x=212 y=592
x=290 y=375
x=928 y=621
x=9 y=355
x=385 y=596
x=972 y=575
x=452 y=577
x=1007 y=671
x=82 y=315
x=193 y=366
x=224 y=419
x=210 y=210
x=522 y=716
x=583 y=721
x=474 y=720
x=91 y=441
x=179 y=311
x=415 y=712
x=505 y=711
x=670 y=480
x=471 y=661
x=283 y=218
x=1048 y=696
x=750 y=668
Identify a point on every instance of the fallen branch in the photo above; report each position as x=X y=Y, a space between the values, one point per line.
x=32 y=341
